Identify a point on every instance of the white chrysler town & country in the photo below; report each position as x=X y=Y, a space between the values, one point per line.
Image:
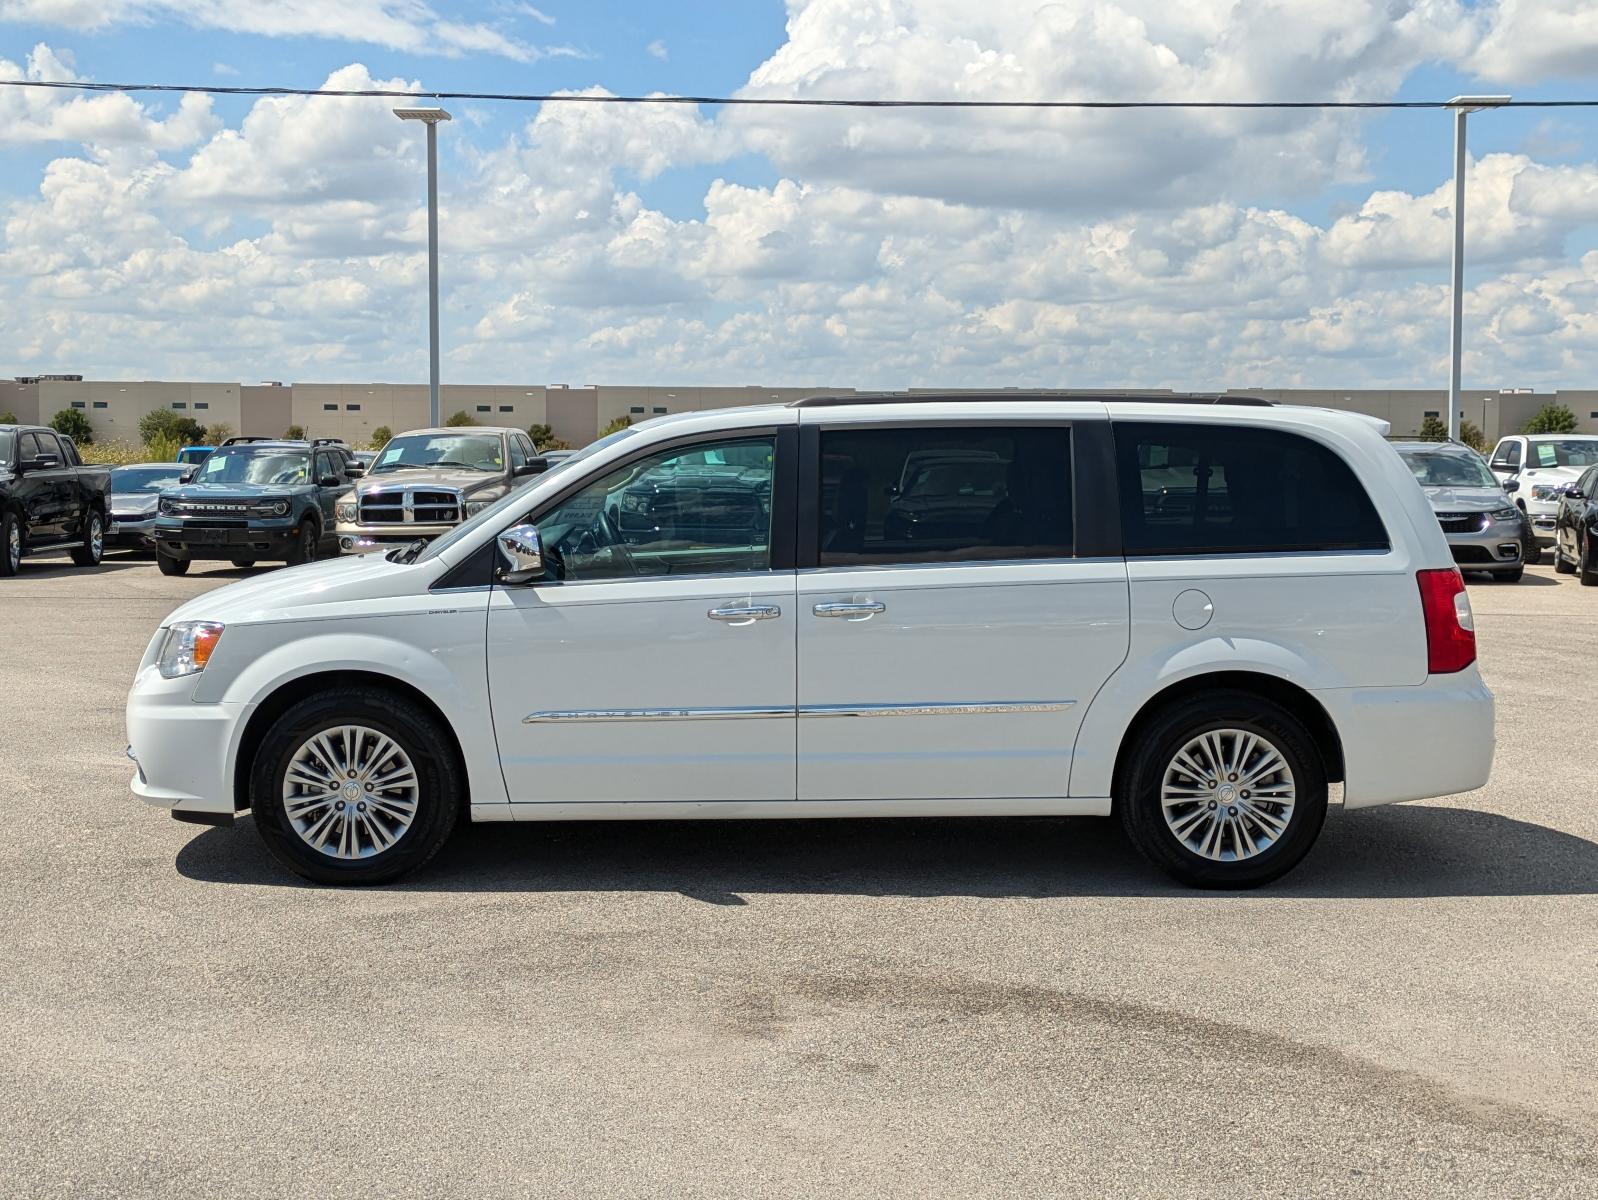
x=1194 y=615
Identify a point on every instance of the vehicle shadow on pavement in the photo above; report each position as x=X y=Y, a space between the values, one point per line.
x=32 y=568
x=1400 y=852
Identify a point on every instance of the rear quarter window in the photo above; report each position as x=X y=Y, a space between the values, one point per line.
x=1221 y=489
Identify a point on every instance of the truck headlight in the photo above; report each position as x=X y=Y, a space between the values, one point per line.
x=344 y=510
x=473 y=507
x=188 y=647
x=1548 y=491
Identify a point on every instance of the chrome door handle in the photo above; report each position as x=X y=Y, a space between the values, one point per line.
x=743 y=614
x=849 y=610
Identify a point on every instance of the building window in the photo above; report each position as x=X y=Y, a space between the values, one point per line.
x=1592 y=416
x=507 y=408
x=658 y=411
x=484 y=408
x=79 y=404
x=202 y=404
x=329 y=408
x=1431 y=412
x=637 y=409
x=179 y=404
x=352 y=408
x=102 y=404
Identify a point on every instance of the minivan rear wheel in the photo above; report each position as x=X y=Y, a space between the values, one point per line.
x=1225 y=789
x=356 y=786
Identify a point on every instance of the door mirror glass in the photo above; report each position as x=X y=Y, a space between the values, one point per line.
x=523 y=552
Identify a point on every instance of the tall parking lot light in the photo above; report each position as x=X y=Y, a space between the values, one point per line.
x=431 y=117
x=1463 y=106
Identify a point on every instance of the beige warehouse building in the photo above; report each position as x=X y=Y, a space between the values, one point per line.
x=576 y=413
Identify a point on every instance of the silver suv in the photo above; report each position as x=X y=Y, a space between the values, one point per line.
x=1485 y=531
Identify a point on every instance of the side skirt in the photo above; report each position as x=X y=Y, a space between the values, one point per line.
x=741 y=810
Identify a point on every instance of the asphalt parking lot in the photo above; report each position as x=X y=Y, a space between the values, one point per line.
x=964 y=1008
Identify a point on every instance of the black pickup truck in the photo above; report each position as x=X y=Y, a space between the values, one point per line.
x=48 y=499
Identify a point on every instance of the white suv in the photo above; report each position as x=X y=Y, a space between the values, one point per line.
x=1194 y=616
x=1538 y=468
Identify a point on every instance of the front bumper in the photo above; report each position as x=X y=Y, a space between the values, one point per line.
x=1542 y=514
x=181 y=750
x=357 y=539
x=1410 y=743
x=1498 y=547
x=130 y=533
x=271 y=539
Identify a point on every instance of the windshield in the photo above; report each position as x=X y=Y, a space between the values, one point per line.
x=249 y=464
x=1562 y=452
x=475 y=451
x=1433 y=468
x=516 y=496
x=7 y=444
x=145 y=479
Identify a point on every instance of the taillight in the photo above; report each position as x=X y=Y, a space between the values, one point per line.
x=1450 y=628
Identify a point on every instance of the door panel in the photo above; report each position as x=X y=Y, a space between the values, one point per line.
x=631 y=691
x=970 y=682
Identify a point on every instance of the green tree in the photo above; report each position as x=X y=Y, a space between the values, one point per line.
x=616 y=426
x=1433 y=427
x=74 y=424
x=544 y=438
x=381 y=436
x=162 y=424
x=461 y=418
x=1552 y=418
x=1470 y=433
x=295 y=433
x=9 y=418
x=218 y=433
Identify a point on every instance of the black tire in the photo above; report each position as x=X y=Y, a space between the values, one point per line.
x=1509 y=576
x=1586 y=567
x=170 y=565
x=10 y=544
x=439 y=791
x=93 y=548
x=1169 y=730
x=244 y=564
x=1561 y=565
x=305 y=540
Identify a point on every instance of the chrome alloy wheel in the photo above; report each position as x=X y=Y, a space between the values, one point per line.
x=96 y=536
x=14 y=545
x=350 y=792
x=1227 y=795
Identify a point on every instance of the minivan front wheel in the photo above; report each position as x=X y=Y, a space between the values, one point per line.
x=355 y=787
x=1224 y=790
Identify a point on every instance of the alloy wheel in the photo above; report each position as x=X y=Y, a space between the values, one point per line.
x=14 y=546
x=1228 y=795
x=96 y=536
x=350 y=792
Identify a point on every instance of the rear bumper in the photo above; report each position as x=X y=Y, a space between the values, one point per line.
x=1410 y=743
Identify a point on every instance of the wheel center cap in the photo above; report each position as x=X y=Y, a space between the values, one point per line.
x=352 y=791
x=1226 y=794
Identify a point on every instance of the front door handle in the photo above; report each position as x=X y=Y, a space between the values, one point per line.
x=744 y=614
x=850 y=610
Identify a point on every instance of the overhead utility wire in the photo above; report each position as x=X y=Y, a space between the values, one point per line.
x=751 y=101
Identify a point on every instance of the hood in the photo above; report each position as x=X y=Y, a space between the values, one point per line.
x=135 y=502
x=1466 y=499
x=334 y=587
x=1530 y=475
x=232 y=491
x=458 y=479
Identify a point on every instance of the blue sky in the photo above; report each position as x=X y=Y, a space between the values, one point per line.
x=722 y=246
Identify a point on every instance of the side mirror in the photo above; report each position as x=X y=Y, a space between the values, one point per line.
x=329 y=481
x=523 y=552
x=533 y=466
x=355 y=470
x=1511 y=485
x=39 y=462
x=1575 y=494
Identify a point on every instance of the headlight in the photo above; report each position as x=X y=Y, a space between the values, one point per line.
x=1548 y=491
x=345 y=510
x=1505 y=514
x=473 y=507
x=188 y=647
x=281 y=508
x=169 y=508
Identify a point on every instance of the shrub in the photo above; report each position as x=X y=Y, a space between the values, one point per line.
x=1552 y=418
x=294 y=433
x=216 y=434
x=616 y=426
x=162 y=424
x=9 y=418
x=74 y=424
x=461 y=418
x=115 y=454
x=381 y=436
x=162 y=449
x=544 y=438
x=1433 y=427
x=1470 y=433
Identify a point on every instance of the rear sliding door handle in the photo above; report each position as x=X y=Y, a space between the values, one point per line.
x=850 y=610
x=744 y=614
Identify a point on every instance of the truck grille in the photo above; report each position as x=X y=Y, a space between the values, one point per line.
x=1462 y=522
x=419 y=505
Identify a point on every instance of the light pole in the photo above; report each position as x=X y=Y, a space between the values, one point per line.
x=1462 y=106
x=431 y=117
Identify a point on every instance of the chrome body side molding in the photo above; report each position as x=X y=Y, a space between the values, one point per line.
x=748 y=713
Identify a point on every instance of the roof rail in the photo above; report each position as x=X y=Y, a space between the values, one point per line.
x=328 y=442
x=835 y=400
x=244 y=439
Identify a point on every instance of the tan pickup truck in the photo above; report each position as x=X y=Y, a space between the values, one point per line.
x=427 y=481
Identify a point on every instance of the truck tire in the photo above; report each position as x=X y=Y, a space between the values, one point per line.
x=88 y=554
x=170 y=565
x=10 y=544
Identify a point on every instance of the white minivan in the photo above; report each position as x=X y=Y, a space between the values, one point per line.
x=1194 y=615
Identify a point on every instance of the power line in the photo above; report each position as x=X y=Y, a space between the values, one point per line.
x=753 y=101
